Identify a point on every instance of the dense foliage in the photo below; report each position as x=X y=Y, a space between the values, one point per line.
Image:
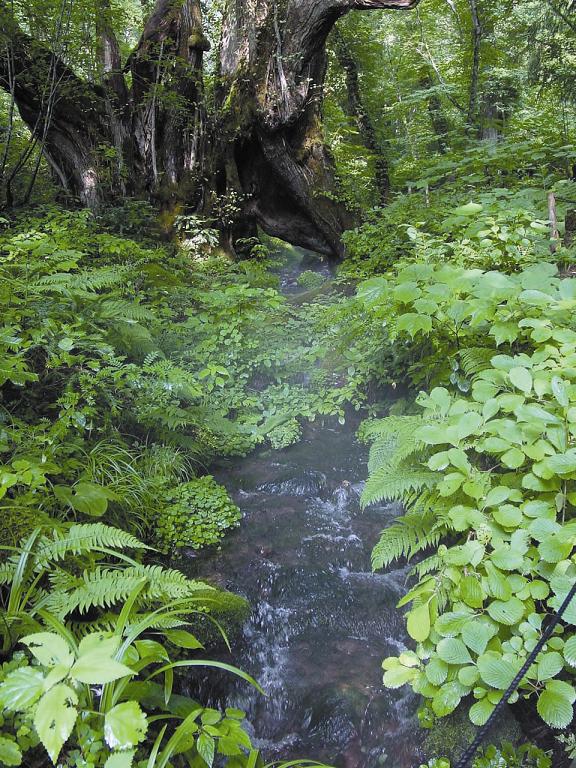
x=483 y=463
x=143 y=342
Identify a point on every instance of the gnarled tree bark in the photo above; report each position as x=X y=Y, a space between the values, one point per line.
x=264 y=144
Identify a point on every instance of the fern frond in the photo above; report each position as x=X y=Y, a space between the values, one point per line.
x=7 y=570
x=134 y=339
x=87 y=280
x=170 y=583
x=405 y=538
x=121 y=309
x=100 y=588
x=426 y=566
x=395 y=481
x=105 y=587
x=393 y=439
x=84 y=537
x=474 y=360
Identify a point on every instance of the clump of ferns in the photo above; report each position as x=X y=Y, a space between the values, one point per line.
x=82 y=575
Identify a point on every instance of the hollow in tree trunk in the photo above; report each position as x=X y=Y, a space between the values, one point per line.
x=263 y=147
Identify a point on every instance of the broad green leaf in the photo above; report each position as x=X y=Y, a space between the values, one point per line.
x=418 y=623
x=555 y=548
x=90 y=499
x=570 y=651
x=508 y=516
x=539 y=590
x=371 y=291
x=151 y=649
x=432 y=435
x=183 y=639
x=549 y=665
x=125 y=725
x=521 y=378
x=98 y=644
x=459 y=459
x=399 y=676
x=535 y=414
x=495 y=670
x=468 y=424
x=562 y=463
x=66 y=344
x=453 y=651
x=21 y=689
x=477 y=634
x=413 y=323
x=56 y=675
x=504 y=332
x=49 y=648
x=471 y=592
x=514 y=458
x=436 y=671
x=104 y=670
x=120 y=760
x=555 y=707
x=212 y=716
x=450 y=484
x=470 y=209
x=206 y=748
x=507 y=559
x=450 y=624
x=507 y=612
x=407 y=292
x=481 y=711
x=559 y=390
x=447 y=699
x=497 y=495
x=498 y=583
x=55 y=717
x=468 y=676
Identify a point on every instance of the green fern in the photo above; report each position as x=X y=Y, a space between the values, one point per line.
x=90 y=280
x=407 y=536
x=474 y=360
x=84 y=538
x=395 y=470
x=395 y=482
x=121 y=309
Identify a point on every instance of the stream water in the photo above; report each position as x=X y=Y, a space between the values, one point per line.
x=321 y=621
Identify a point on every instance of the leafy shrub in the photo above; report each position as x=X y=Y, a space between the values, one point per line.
x=112 y=350
x=285 y=434
x=91 y=619
x=487 y=467
x=310 y=280
x=197 y=515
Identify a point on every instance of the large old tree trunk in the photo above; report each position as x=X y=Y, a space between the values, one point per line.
x=263 y=147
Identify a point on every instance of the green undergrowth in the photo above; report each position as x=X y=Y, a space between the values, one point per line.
x=476 y=310
x=127 y=367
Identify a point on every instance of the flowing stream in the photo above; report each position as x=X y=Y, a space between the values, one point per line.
x=321 y=621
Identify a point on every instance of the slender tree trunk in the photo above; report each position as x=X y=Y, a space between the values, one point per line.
x=357 y=111
x=477 y=34
x=570 y=228
x=438 y=119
